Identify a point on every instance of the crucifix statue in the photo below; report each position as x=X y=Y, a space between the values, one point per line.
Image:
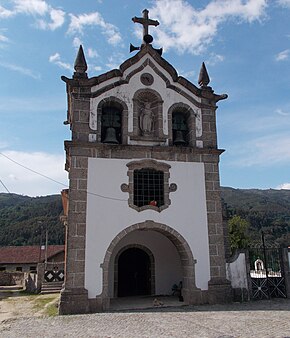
x=145 y=22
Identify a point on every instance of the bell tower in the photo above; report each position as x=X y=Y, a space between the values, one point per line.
x=143 y=166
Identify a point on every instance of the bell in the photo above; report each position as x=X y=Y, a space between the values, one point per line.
x=111 y=136
x=179 y=139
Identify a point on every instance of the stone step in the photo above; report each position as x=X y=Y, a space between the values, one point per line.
x=11 y=288
x=46 y=292
x=51 y=287
x=50 y=284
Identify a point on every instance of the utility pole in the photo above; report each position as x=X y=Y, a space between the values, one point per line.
x=46 y=244
x=266 y=263
x=40 y=241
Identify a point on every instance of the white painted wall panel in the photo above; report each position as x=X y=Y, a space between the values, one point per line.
x=107 y=217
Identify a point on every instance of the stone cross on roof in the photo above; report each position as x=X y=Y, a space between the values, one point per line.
x=145 y=22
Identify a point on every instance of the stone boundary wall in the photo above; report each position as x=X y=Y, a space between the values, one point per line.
x=237 y=274
x=11 y=278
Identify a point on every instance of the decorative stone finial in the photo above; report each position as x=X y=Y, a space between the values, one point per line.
x=146 y=22
x=80 y=65
x=203 y=79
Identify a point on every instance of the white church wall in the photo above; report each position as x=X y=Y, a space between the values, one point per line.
x=237 y=272
x=168 y=269
x=110 y=214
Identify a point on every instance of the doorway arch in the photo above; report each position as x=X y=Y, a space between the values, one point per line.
x=134 y=271
x=191 y=293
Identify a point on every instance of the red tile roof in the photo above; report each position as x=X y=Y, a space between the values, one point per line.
x=27 y=254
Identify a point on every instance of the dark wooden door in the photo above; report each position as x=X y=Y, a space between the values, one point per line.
x=134 y=273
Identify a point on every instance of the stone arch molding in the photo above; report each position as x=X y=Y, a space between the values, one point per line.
x=96 y=116
x=190 y=291
x=148 y=106
x=191 y=117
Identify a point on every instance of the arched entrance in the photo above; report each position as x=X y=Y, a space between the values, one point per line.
x=134 y=273
x=190 y=292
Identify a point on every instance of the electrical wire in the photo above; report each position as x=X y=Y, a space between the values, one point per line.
x=55 y=181
x=5 y=187
x=35 y=172
x=10 y=193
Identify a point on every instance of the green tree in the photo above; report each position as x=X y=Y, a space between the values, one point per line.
x=238 y=233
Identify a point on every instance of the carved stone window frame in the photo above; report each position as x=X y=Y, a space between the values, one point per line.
x=113 y=101
x=190 y=117
x=140 y=97
x=150 y=164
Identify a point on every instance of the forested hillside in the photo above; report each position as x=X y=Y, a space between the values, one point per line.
x=265 y=210
x=23 y=219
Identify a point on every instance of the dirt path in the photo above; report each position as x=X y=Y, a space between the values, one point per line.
x=17 y=304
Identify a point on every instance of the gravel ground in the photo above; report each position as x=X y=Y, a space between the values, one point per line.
x=254 y=319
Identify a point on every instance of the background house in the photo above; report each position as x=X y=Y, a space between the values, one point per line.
x=26 y=258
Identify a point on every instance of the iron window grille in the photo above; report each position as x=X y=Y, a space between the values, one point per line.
x=148 y=187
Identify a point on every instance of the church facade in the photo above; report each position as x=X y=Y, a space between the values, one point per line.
x=144 y=208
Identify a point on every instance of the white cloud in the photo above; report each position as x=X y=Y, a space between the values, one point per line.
x=33 y=7
x=115 y=60
x=188 y=29
x=189 y=74
x=78 y=24
x=21 y=70
x=92 y=53
x=3 y=38
x=56 y=59
x=281 y=112
x=262 y=151
x=22 y=181
x=282 y=56
x=285 y=186
x=50 y=18
x=97 y=68
x=77 y=42
x=214 y=59
x=57 y=17
x=259 y=119
x=284 y=3
x=6 y=13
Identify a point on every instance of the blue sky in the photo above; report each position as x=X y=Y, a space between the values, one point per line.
x=244 y=43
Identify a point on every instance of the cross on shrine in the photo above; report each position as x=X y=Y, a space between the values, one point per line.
x=145 y=22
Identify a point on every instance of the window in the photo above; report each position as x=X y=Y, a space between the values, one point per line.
x=148 y=187
x=2 y=268
x=19 y=268
x=32 y=268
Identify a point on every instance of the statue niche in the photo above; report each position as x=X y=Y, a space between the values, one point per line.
x=146 y=120
x=147 y=116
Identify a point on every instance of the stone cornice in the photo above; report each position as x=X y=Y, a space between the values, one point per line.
x=137 y=148
x=118 y=74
